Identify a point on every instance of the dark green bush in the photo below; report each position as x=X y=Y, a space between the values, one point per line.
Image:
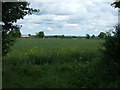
x=112 y=45
x=87 y=36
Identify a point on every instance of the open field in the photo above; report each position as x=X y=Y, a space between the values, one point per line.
x=57 y=63
x=52 y=50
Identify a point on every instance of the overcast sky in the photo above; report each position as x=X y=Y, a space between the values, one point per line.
x=70 y=18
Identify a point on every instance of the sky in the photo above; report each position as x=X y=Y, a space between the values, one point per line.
x=70 y=18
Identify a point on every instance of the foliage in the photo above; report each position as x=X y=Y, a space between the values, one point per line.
x=102 y=35
x=58 y=36
x=93 y=36
x=58 y=63
x=74 y=36
x=63 y=36
x=40 y=34
x=11 y=12
x=29 y=34
x=87 y=36
x=116 y=4
x=14 y=33
x=112 y=45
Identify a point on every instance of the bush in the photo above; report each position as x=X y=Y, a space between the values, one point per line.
x=102 y=35
x=112 y=45
x=93 y=36
x=40 y=34
x=87 y=36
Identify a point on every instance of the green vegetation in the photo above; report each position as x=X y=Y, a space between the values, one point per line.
x=58 y=63
x=93 y=36
x=40 y=34
x=87 y=36
x=15 y=33
x=102 y=35
x=11 y=12
x=116 y=4
x=112 y=45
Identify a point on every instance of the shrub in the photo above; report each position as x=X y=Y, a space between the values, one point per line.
x=40 y=34
x=87 y=36
x=112 y=45
x=102 y=35
x=93 y=36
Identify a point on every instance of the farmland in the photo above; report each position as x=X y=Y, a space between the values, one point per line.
x=58 y=63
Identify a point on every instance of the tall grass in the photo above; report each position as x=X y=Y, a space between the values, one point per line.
x=40 y=51
x=57 y=63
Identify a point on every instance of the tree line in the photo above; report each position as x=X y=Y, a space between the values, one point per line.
x=41 y=34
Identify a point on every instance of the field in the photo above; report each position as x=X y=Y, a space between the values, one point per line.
x=58 y=63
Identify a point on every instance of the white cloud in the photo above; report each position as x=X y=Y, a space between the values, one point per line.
x=71 y=18
x=71 y=25
x=28 y=26
x=48 y=28
x=61 y=18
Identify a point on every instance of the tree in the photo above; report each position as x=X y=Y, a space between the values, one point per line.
x=11 y=12
x=87 y=36
x=15 y=33
x=40 y=34
x=55 y=36
x=112 y=43
x=116 y=4
x=29 y=35
x=93 y=36
x=102 y=35
x=63 y=36
x=74 y=37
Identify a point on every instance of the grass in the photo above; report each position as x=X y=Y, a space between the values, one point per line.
x=58 y=63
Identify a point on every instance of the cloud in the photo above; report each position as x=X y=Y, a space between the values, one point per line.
x=48 y=28
x=76 y=18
